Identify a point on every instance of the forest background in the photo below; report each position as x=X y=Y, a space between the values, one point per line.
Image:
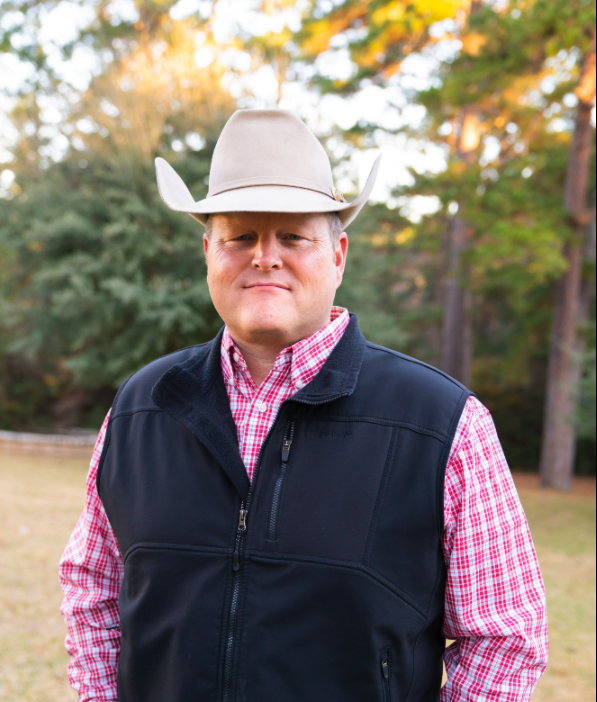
x=477 y=254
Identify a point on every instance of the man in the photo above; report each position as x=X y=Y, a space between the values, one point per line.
x=290 y=513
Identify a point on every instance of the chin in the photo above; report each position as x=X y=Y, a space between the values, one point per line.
x=267 y=325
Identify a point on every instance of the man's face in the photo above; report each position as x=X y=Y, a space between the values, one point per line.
x=273 y=276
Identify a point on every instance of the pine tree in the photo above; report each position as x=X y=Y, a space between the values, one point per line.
x=103 y=277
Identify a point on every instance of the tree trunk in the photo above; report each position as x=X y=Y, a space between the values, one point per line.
x=457 y=331
x=563 y=375
x=457 y=337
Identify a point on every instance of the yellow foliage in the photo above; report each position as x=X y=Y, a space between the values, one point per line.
x=585 y=92
x=473 y=43
x=399 y=21
x=470 y=136
x=405 y=235
x=322 y=31
x=379 y=240
x=389 y=13
x=35 y=246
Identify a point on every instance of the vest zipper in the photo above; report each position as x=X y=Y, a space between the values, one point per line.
x=238 y=554
x=385 y=674
x=237 y=571
x=274 y=515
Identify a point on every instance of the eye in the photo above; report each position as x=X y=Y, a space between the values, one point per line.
x=242 y=237
x=294 y=237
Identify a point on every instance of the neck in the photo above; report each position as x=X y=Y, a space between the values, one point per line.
x=260 y=360
x=260 y=353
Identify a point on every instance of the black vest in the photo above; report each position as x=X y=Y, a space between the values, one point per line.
x=324 y=581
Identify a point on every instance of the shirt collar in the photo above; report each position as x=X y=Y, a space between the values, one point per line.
x=305 y=358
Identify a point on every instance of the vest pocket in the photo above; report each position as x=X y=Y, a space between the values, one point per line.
x=385 y=666
x=274 y=515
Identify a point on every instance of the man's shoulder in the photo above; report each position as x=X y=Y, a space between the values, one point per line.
x=400 y=367
x=135 y=392
x=410 y=392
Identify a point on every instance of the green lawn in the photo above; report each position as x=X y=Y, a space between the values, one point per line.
x=40 y=500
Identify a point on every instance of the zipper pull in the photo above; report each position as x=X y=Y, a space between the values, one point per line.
x=286 y=450
x=242 y=527
x=242 y=520
x=385 y=669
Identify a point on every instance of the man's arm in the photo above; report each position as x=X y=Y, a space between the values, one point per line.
x=495 y=599
x=91 y=571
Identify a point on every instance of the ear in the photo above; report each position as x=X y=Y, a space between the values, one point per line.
x=341 y=254
x=205 y=244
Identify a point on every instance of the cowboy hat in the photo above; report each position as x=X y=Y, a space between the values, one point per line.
x=264 y=161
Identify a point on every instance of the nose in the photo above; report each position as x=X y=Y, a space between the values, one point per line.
x=266 y=255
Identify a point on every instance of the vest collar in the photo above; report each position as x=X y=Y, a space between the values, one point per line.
x=194 y=394
x=339 y=374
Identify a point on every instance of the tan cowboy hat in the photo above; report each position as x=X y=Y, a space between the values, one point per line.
x=264 y=161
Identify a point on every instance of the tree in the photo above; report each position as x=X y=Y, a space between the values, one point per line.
x=103 y=277
x=512 y=78
x=559 y=440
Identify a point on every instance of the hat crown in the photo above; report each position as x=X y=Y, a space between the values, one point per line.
x=269 y=147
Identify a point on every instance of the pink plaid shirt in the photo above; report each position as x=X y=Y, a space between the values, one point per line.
x=495 y=600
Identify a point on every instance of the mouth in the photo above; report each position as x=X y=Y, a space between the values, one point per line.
x=266 y=286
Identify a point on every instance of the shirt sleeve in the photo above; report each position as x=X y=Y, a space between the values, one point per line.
x=91 y=572
x=495 y=599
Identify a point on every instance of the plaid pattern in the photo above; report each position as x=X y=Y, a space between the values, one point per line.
x=255 y=409
x=495 y=601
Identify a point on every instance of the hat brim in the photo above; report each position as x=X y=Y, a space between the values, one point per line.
x=259 y=198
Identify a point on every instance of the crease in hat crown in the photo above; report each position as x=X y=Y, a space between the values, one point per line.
x=264 y=161
x=286 y=153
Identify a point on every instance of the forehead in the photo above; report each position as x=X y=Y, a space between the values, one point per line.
x=267 y=221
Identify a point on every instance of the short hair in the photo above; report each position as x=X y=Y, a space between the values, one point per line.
x=334 y=223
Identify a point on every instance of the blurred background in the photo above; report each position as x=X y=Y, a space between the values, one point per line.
x=476 y=254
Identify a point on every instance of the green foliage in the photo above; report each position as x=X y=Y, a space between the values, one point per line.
x=98 y=277
x=382 y=284
x=586 y=419
x=105 y=276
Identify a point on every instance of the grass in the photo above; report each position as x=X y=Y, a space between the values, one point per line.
x=41 y=498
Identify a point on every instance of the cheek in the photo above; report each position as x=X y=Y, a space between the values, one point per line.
x=316 y=272
x=222 y=267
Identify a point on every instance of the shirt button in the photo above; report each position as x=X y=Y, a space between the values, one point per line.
x=236 y=358
x=261 y=407
x=298 y=385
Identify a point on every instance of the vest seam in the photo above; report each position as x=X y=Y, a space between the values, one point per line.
x=377 y=420
x=445 y=456
x=380 y=497
x=188 y=548
x=350 y=565
x=126 y=413
x=113 y=415
x=412 y=677
x=441 y=477
x=102 y=460
x=410 y=359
